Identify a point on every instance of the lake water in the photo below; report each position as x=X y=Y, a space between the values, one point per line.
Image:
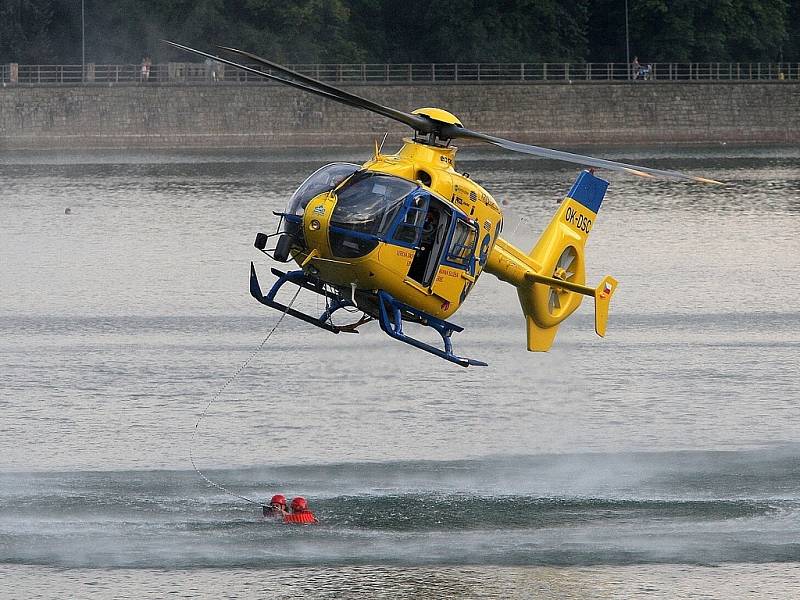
x=661 y=461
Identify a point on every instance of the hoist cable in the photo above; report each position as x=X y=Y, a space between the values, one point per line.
x=219 y=393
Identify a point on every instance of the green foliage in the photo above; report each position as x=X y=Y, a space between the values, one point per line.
x=292 y=31
x=791 y=50
x=471 y=31
x=691 y=30
x=24 y=31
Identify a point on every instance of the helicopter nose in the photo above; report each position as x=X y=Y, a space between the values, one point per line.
x=316 y=221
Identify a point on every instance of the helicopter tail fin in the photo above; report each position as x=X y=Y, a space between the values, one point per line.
x=550 y=280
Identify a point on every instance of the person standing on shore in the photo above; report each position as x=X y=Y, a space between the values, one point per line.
x=146 y=69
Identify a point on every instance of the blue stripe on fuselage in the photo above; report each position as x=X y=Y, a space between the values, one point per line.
x=589 y=191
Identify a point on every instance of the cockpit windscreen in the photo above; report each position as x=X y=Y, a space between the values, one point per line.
x=321 y=180
x=369 y=202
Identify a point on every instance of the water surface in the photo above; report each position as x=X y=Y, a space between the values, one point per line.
x=598 y=467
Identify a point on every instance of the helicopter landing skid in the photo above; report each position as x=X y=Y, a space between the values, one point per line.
x=391 y=321
x=300 y=279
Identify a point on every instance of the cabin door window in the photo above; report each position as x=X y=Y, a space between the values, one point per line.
x=462 y=244
x=409 y=231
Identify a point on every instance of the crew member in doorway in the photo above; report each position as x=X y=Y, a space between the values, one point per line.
x=429 y=229
x=300 y=514
x=277 y=508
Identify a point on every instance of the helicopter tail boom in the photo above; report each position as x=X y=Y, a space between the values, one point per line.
x=550 y=280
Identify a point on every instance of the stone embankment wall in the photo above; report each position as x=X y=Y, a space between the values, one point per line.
x=223 y=115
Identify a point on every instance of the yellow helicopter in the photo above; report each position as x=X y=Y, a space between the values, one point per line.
x=404 y=237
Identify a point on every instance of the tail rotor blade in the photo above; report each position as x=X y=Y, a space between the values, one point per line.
x=566 y=259
x=438 y=129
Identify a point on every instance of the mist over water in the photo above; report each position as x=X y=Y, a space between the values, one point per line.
x=671 y=441
x=689 y=507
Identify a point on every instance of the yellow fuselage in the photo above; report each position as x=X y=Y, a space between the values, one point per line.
x=387 y=266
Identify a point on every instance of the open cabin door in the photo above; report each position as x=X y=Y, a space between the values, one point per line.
x=456 y=268
x=444 y=261
x=432 y=232
x=444 y=242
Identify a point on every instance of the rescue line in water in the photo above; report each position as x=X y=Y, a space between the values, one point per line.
x=202 y=416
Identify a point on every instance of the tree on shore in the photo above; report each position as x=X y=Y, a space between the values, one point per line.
x=123 y=31
x=25 y=30
x=692 y=31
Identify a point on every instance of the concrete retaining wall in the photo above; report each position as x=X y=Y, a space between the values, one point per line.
x=160 y=116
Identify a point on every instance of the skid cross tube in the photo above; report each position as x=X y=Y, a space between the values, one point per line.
x=391 y=321
x=300 y=279
x=390 y=314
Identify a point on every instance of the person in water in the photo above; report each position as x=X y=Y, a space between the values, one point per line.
x=276 y=508
x=300 y=514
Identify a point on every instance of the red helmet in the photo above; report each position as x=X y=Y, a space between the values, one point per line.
x=278 y=499
x=299 y=503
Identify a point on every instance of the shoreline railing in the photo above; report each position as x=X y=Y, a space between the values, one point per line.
x=214 y=73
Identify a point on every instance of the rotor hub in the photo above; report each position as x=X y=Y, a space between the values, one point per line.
x=438 y=114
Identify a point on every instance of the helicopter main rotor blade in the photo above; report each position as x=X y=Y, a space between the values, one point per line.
x=454 y=132
x=293 y=84
x=417 y=122
x=424 y=124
